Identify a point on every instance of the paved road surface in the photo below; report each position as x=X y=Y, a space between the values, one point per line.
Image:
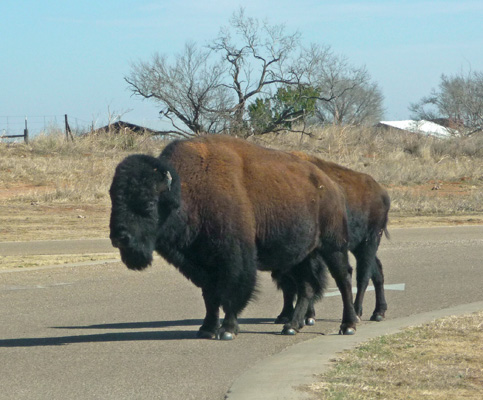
x=104 y=332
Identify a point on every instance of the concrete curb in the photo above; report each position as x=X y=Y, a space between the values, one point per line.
x=279 y=376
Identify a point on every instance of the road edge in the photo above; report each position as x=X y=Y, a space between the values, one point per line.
x=278 y=377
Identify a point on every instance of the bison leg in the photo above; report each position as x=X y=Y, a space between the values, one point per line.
x=297 y=322
x=236 y=285
x=211 y=322
x=381 y=305
x=310 y=314
x=310 y=282
x=369 y=266
x=365 y=265
x=229 y=328
x=341 y=271
x=289 y=290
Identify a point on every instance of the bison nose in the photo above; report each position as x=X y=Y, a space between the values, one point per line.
x=121 y=241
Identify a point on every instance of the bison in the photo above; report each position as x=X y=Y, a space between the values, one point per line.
x=367 y=210
x=219 y=209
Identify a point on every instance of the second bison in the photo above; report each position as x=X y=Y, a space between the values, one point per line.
x=367 y=206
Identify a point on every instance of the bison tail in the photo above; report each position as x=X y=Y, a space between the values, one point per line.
x=387 y=204
x=384 y=227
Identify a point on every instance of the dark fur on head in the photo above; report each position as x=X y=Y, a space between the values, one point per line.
x=144 y=191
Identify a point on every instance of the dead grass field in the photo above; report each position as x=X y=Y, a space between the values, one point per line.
x=34 y=261
x=442 y=360
x=57 y=189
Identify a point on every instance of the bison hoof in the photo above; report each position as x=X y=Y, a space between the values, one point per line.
x=289 y=331
x=223 y=335
x=310 y=322
x=347 y=331
x=205 y=335
x=377 y=317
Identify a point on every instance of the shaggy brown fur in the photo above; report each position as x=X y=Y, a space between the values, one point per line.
x=232 y=208
x=367 y=209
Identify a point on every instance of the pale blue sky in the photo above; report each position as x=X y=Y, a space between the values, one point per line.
x=70 y=57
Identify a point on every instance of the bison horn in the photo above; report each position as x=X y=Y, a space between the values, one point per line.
x=169 y=179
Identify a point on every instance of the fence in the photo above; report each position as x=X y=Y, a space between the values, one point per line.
x=10 y=126
x=25 y=134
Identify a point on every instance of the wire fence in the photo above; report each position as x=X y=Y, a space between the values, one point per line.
x=16 y=125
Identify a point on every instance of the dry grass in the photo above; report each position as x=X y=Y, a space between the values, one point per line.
x=53 y=188
x=72 y=172
x=24 y=221
x=391 y=157
x=440 y=360
x=20 y=262
x=408 y=165
x=416 y=200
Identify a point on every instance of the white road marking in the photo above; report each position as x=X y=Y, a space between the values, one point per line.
x=395 y=286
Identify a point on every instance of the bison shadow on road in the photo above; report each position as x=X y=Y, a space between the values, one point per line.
x=124 y=336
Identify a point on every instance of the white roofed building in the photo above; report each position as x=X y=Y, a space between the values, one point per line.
x=422 y=127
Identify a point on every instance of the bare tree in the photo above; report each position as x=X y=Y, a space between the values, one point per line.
x=346 y=93
x=361 y=105
x=458 y=100
x=209 y=91
x=259 y=57
x=188 y=90
x=343 y=94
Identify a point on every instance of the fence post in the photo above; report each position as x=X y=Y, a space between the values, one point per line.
x=26 y=132
x=68 y=132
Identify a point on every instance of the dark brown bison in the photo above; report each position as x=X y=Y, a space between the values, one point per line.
x=367 y=211
x=218 y=209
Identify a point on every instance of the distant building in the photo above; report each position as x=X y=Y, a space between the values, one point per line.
x=422 y=127
x=122 y=127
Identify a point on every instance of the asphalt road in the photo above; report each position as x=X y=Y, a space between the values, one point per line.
x=104 y=332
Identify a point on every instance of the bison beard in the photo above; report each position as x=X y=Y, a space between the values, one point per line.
x=218 y=209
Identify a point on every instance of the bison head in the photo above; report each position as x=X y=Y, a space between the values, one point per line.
x=141 y=194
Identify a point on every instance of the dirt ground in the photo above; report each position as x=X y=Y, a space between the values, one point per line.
x=33 y=221
x=22 y=220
